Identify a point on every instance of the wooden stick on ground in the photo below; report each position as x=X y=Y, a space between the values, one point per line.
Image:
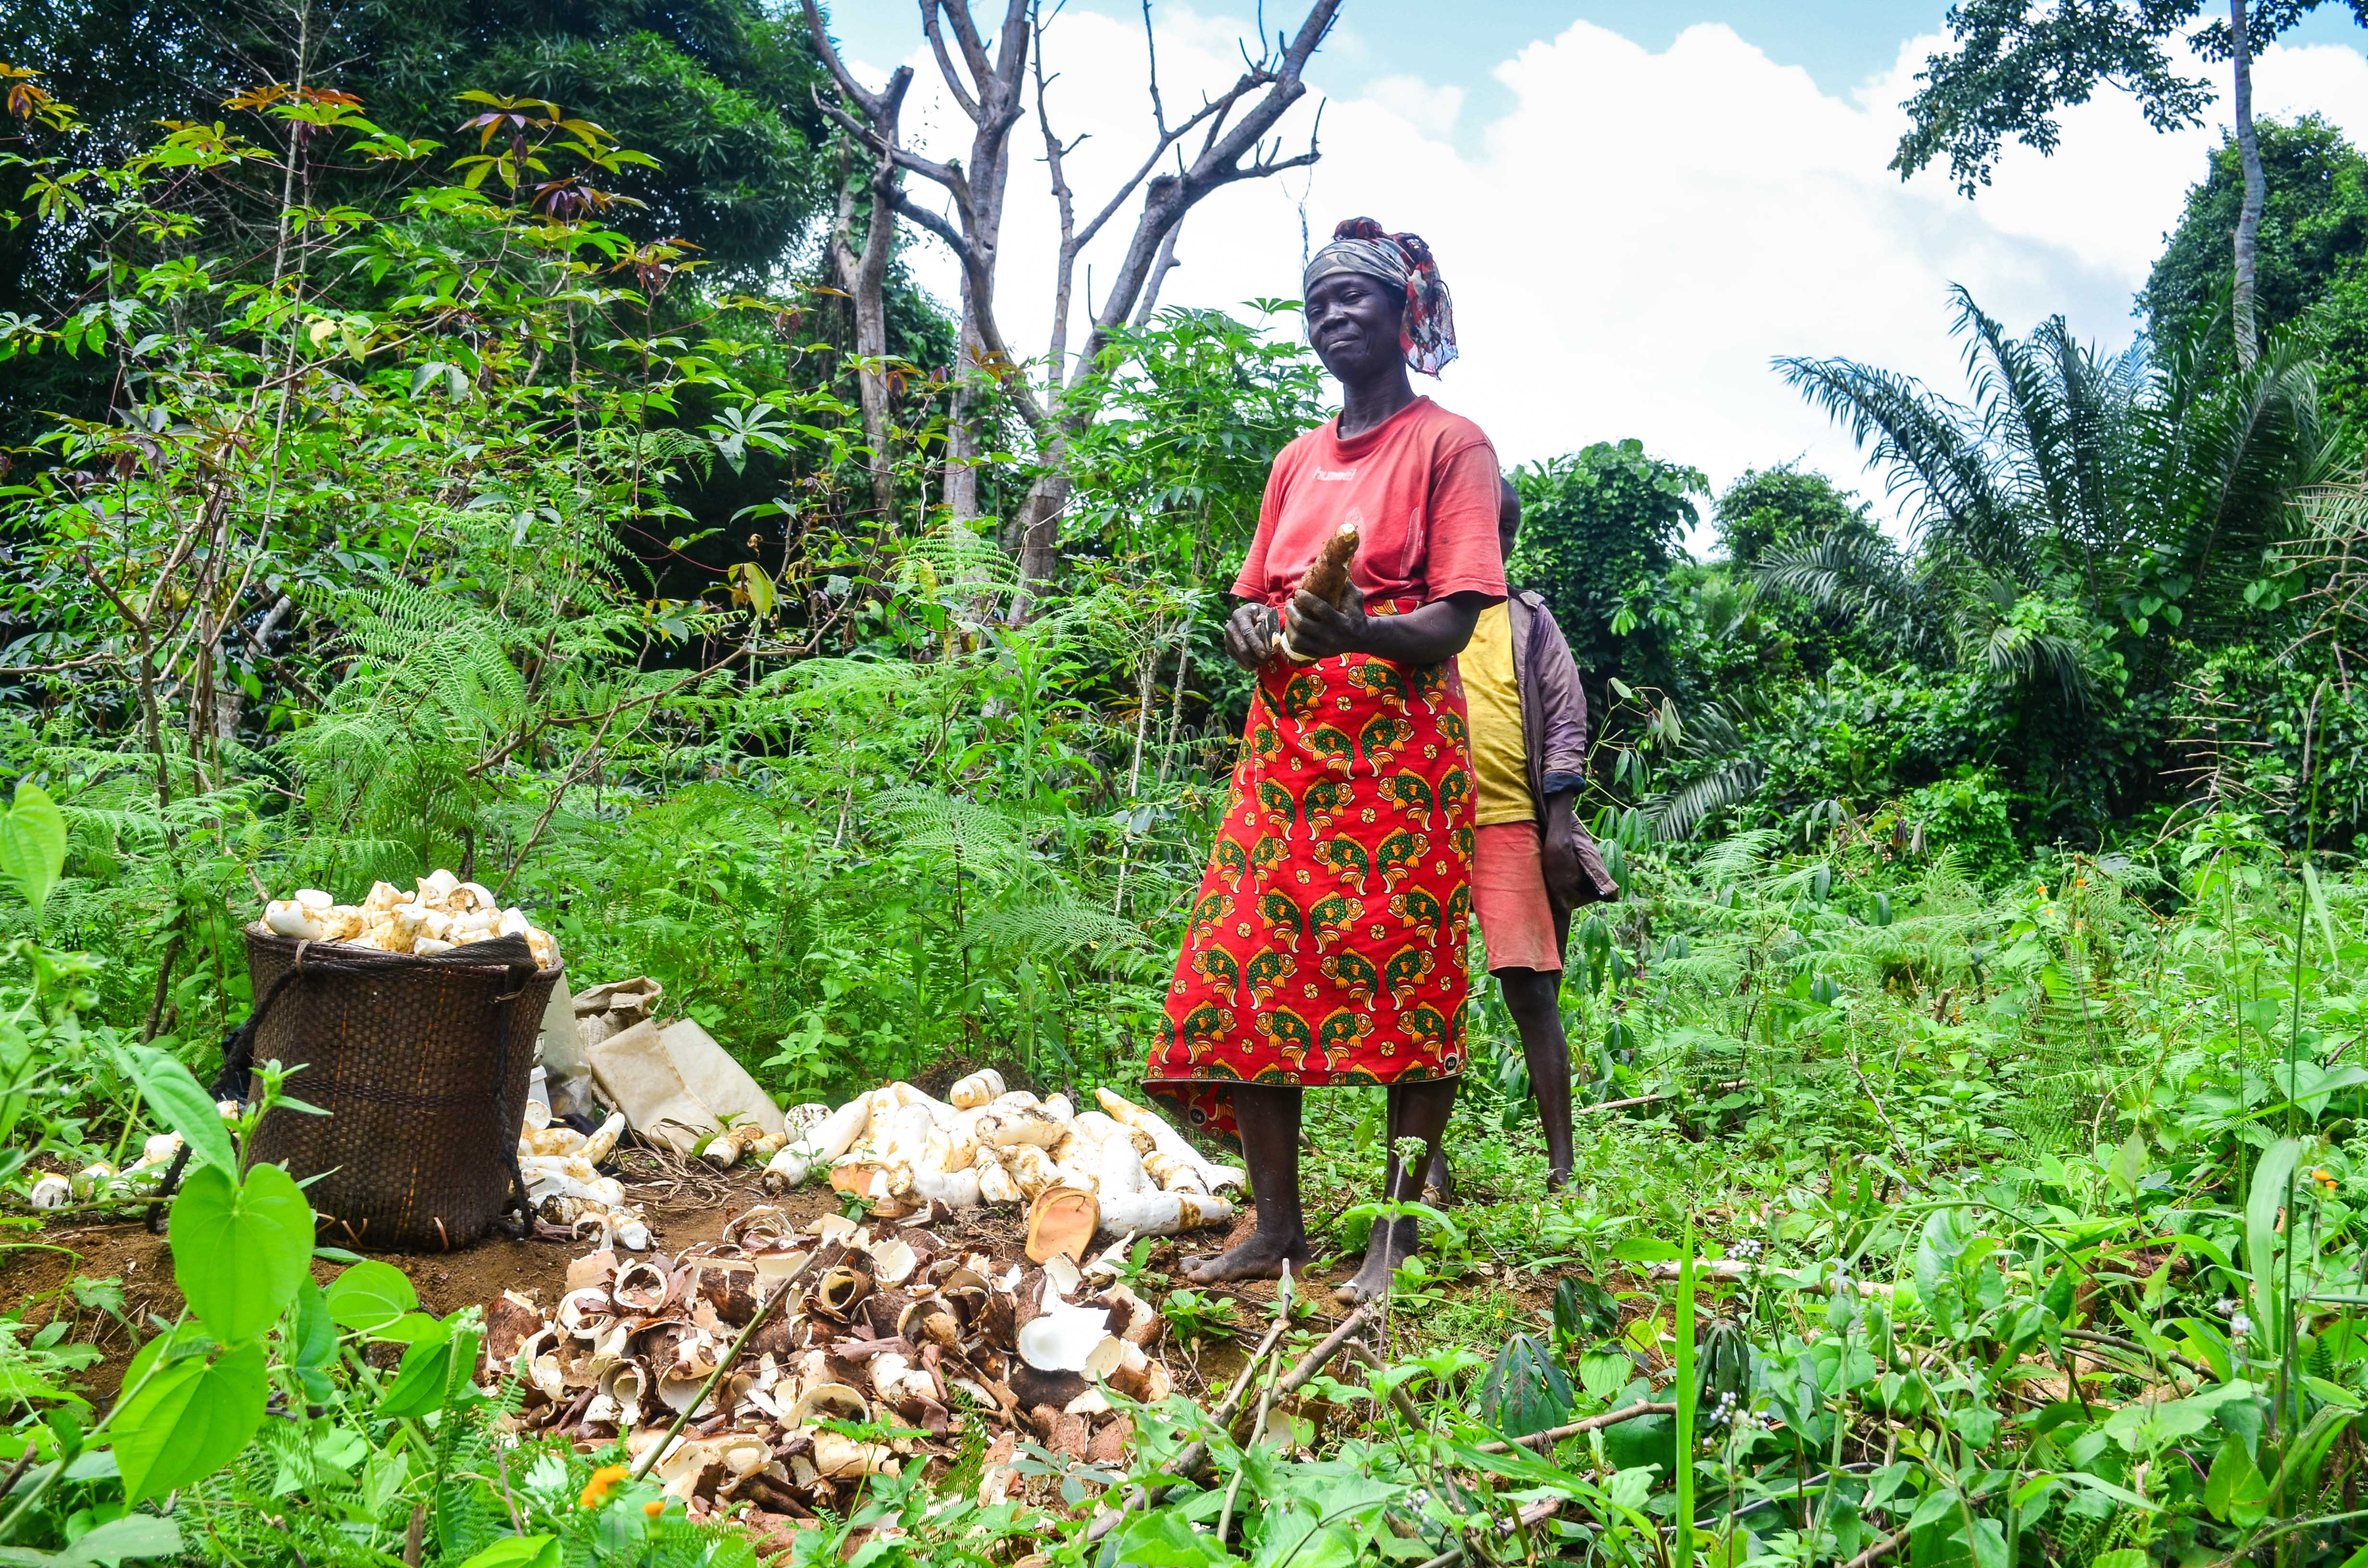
x=1529 y=1517
x=1592 y=1423
x=1196 y=1453
x=763 y=1315
x=1312 y=1362
x=1882 y=1548
x=1665 y=1094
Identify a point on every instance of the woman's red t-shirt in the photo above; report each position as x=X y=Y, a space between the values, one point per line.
x=1421 y=487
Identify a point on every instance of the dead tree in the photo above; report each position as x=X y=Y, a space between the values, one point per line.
x=991 y=90
x=863 y=274
x=1229 y=139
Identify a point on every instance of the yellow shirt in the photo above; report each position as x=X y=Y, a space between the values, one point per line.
x=1499 y=757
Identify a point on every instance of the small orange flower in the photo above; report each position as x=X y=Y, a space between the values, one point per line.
x=2324 y=1178
x=595 y=1491
x=654 y=1506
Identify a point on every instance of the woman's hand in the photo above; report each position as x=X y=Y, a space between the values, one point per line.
x=1318 y=631
x=1249 y=635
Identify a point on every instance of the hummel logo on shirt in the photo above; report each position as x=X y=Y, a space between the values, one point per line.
x=1336 y=474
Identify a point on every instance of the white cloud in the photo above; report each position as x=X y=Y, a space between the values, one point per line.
x=1431 y=111
x=1634 y=239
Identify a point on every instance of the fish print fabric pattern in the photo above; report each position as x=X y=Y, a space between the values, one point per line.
x=1326 y=943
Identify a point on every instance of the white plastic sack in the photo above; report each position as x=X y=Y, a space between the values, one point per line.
x=717 y=1081
x=677 y=1087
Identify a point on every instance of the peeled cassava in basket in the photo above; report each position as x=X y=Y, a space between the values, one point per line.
x=422 y=1065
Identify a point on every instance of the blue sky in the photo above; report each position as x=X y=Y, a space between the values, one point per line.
x=1840 y=42
x=1639 y=206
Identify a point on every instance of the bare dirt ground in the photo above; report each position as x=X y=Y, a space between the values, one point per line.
x=38 y=1269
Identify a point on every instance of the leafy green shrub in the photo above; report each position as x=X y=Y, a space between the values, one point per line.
x=1967 y=814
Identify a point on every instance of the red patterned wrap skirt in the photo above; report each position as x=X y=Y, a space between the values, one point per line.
x=1327 y=939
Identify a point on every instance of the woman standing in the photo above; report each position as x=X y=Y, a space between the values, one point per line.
x=1328 y=942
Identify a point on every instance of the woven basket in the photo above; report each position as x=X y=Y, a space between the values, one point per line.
x=421 y=1063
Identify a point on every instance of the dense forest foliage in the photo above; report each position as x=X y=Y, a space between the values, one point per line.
x=430 y=437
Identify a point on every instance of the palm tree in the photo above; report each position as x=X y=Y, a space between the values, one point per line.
x=2071 y=512
x=2071 y=485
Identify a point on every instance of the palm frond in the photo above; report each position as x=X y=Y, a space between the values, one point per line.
x=1675 y=813
x=1932 y=450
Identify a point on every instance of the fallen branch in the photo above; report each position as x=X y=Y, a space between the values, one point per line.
x=763 y=1315
x=1879 y=1549
x=1196 y=1453
x=1312 y=1362
x=1529 y=1518
x=1665 y=1094
x=2087 y=1336
x=1735 y=1268
x=1592 y=1423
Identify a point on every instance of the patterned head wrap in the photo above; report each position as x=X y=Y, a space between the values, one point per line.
x=1362 y=246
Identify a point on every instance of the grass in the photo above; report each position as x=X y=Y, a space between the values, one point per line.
x=2029 y=1237
x=1950 y=1224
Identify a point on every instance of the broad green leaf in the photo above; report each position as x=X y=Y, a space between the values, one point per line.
x=1647 y=1440
x=2142 y=1429
x=2318 y=908
x=240 y=1249
x=314 y=1339
x=519 y=1552
x=2128 y=1163
x=191 y=1419
x=408 y=1329
x=33 y=844
x=1163 y=1539
x=1524 y=1390
x=188 y=1338
x=175 y=1098
x=418 y=1385
x=1603 y=1376
x=135 y=1535
x=1931 y=1506
x=311 y=1343
x=2056 y=1300
x=2266 y=1195
x=369 y=1296
x=2236 y=1491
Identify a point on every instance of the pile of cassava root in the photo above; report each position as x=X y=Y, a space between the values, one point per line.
x=564 y=1182
x=893 y=1323
x=900 y=1148
x=440 y=914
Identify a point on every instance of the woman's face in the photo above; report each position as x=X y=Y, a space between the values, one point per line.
x=1355 y=323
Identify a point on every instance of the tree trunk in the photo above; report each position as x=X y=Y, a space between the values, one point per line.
x=1039 y=523
x=872 y=343
x=865 y=278
x=961 y=444
x=2248 y=219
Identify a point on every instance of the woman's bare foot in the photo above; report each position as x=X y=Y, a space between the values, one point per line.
x=1556 y=1180
x=1393 y=1243
x=1260 y=1257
